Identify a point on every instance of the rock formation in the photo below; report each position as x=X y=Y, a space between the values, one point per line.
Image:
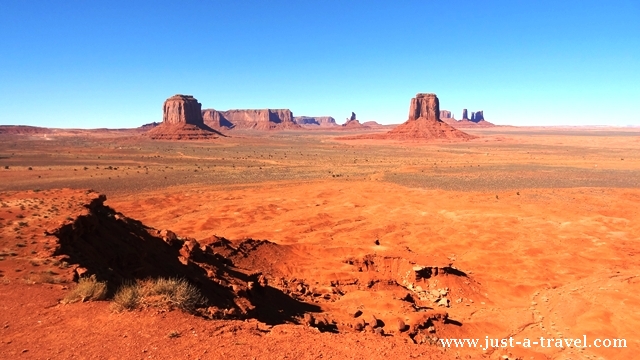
x=424 y=124
x=464 y=114
x=353 y=123
x=182 y=120
x=182 y=109
x=324 y=121
x=477 y=116
x=445 y=114
x=425 y=106
x=263 y=119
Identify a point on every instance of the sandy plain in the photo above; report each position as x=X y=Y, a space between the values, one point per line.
x=541 y=226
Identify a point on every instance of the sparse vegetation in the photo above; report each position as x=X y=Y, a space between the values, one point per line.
x=88 y=289
x=162 y=293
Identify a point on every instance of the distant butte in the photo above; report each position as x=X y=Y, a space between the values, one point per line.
x=182 y=120
x=477 y=120
x=424 y=124
x=260 y=119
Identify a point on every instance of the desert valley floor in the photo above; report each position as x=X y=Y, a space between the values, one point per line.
x=521 y=232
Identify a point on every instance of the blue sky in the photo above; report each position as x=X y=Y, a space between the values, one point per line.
x=112 y=64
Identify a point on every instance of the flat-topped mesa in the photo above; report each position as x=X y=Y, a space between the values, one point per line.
x=324 y=121
x=425 y=106
x=182 y=109
x=256 y=119
x=445 y=114
x=181 y=120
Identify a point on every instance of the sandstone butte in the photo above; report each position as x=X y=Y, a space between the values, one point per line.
x=255 y=119
x=182 y=120
x=322 y=121
x=424 y=124
x=477 y=120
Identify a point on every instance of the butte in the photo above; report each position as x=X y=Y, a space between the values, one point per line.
x=182 y=120
x=424 y=124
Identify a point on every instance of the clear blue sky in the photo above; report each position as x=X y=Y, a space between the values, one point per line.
x=112 y=63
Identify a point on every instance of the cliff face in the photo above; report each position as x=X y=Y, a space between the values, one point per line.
x=445 y=114
x=324 y=121
x=464 y=114
x=425 y=106
x=477 y=116
x=182 y=109
x=262 y=119
x=181 y=120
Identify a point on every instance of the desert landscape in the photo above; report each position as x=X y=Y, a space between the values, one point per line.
x=320 y=180
x=281 y=241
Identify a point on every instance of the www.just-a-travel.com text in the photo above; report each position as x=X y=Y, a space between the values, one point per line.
x=492 y=343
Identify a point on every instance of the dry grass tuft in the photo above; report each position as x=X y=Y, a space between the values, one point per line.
x=88 y=289
x=160 y=293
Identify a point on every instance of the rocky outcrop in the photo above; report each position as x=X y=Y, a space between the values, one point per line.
x=149 y=126
x=425 y=106
x=324 y=121
x=354 y=124
x=216 y=120
x=445 y=114
x=182 y=109
x=464 y=114
x=424 y=124
x=477 y=116
x=262 y=119
x=182 y=120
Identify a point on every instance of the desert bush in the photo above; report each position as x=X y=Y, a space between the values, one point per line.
x=162 y=293
x=88 y=289
x=126 y=298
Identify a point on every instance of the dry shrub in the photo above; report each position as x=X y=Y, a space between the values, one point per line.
x=88 y=289
x=126 y=298
x=161 y=293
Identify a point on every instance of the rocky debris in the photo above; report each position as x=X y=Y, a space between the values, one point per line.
x=118 y=249
x=182 y=120
x=262 y=119
x=323 y=121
